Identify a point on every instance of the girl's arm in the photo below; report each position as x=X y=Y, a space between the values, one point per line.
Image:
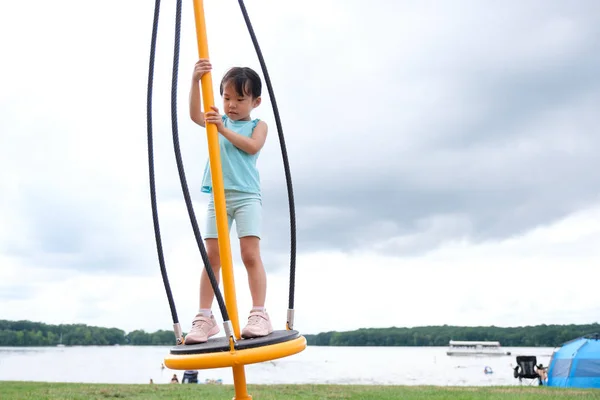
x=250 y=145
x=200 y=68
x=196 y=113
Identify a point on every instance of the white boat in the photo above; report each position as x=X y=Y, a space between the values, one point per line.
x=474 y=348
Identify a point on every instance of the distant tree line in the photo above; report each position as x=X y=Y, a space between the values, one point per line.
x=27 y=333
x=528 y=336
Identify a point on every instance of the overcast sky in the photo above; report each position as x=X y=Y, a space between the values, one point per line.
x=443 y=156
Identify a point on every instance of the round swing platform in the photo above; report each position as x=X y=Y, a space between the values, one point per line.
x=217 y=353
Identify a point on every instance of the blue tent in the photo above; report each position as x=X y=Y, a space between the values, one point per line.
x=576 y=364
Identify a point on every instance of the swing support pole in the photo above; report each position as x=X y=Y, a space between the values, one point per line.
x=239 y=374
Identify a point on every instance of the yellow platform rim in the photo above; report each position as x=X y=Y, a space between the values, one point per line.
x=222 y=359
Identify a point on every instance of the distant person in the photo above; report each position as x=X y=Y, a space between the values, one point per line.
x=174 y=379
x=241 y=139
x=542 y=372
x=151 y=381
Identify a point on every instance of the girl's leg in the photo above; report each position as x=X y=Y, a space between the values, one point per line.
x=248 y=219
x=207 y=293
x=204 y=324
x=259 y=323
x=257 y=277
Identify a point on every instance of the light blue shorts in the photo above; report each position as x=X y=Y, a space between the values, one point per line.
x=243 y=208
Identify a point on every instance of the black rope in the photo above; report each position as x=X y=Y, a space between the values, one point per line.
x=286 y=165
x=184 y=187
x=161 y=259
x=157 y=235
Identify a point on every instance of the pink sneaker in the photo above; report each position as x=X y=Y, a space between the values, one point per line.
x=202 y=328
x=258 y=325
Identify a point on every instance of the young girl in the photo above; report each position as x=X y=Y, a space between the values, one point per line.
x=240 y=141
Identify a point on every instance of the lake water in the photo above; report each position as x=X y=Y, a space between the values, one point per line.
x=335 y=365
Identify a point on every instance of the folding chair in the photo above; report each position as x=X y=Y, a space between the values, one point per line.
x=525 y=369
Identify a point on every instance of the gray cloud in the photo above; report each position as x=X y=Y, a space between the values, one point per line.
x=476 y=198
x=501 y=149
x=81 y=228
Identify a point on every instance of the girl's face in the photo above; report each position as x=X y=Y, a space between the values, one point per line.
x=236 y=106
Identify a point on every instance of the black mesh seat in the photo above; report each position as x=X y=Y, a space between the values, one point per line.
x=525 y=369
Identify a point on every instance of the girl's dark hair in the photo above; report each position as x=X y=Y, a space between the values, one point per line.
x=245 y=81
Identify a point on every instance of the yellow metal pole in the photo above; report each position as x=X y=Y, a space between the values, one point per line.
x=239 y=374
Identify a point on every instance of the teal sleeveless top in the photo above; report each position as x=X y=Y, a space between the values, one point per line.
x=239 y=168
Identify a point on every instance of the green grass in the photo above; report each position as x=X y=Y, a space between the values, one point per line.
x=75 y=391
